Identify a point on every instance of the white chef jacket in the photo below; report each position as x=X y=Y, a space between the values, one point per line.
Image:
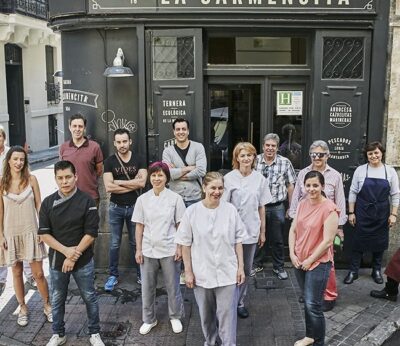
x=159 y=215
x=212 y=235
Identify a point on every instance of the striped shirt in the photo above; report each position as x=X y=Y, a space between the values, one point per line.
x=333 y=190
x=279 y=174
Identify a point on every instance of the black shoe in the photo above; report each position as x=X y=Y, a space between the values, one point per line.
x=242 y=312
x=377 y=276
x=351 y=276
x=301 y=299
x=328 y=305
x=383 y=295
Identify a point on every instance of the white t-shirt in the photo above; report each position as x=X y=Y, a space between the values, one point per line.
x=159 y=215
x=212 y=235
x=247 y=194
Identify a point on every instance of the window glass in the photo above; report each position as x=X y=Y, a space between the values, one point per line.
x=257 y=50
x=173 y=57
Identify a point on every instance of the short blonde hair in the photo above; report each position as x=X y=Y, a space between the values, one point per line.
x=2 y=132
x=243 y=146
x=208 y=178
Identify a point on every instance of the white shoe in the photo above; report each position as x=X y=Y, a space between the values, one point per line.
x=176 y=325
x=57 y=340
x=146 y=327
x=95 y=340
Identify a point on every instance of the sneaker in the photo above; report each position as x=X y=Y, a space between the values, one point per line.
x=176 y=325
x=182 y=280
x=57 y=340
x=146 y=327
x=31 y=283
x=256 y=269
x=280 y=273
x=112 y=281
x=2 y=287
x=95 y=340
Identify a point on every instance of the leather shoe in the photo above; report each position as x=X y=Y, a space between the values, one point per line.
x=377 y=276
x=351 y=276
x=383 y=295
x=328 y=305
x=242 y=312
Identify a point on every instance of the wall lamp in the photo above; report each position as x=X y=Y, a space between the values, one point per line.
x=118 y=69
x=58 y=74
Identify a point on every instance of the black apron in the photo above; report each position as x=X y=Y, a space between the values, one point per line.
x=372 y=215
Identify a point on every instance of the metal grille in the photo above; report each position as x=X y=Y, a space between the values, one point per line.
x=173 y=58
x=33 y=8
x=343 y=58
x=53 y=92
x=13 y=54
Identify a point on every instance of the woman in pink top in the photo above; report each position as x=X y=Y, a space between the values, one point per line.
x=310 y=243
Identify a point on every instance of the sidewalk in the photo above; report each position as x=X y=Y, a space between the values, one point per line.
x=276 y=317
x=43 y=155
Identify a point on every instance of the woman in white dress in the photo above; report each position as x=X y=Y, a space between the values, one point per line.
x=211 y=234
x=19 y=240
x=248 y=191
x=157 y=215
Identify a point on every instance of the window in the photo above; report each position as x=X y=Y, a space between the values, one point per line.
x=257 y=50
x=173 y=58
x=52 y=88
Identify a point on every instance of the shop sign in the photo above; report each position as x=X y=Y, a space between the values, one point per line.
x=340 y=114
x=289 y=102
x=339 y=148
x=239 y=6
x=80 y=97
x=172 y=109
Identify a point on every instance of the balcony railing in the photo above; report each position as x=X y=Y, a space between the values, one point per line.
x=32 y=8
x=53 y=93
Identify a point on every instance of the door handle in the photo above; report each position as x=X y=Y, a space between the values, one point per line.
x=152 y=135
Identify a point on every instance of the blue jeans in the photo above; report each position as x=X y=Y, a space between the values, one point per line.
x=275 y=223
x=84 y=278
x=118 y=215
x=313 y=284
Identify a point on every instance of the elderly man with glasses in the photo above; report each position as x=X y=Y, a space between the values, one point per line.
x=281 y=176
x=319 y=154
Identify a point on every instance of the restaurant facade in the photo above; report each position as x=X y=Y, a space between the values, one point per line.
x=237 y=69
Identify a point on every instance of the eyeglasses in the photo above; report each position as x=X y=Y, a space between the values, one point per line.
x=319 y=155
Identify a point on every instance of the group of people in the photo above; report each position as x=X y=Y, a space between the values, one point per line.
x=209 y=227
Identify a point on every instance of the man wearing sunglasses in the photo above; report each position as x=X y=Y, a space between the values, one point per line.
x=319 y=154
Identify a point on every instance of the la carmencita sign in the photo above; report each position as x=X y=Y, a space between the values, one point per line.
x=220 y=6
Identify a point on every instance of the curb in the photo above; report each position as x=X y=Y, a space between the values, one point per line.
x=383 y=331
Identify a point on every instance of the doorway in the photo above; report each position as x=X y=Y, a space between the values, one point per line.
x=234 y=116
x=15 y=94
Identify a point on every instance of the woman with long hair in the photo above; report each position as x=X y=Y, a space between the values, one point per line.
x=248 y=191
x=310 y=244
x=211 y=234
x=19 y=240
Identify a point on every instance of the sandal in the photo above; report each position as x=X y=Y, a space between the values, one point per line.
x=23 y=319
x=49 y=314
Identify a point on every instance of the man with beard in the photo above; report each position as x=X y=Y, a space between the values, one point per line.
x=187 y=163
x=123 y=179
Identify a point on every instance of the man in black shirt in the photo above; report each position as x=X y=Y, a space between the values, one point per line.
x=68 y=224
x=123 y=178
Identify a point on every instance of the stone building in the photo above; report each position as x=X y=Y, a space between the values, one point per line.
x=30 y=53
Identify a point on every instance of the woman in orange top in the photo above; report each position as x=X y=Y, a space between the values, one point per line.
x=310 y=243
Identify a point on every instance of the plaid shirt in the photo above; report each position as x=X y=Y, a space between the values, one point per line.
x=279 y=175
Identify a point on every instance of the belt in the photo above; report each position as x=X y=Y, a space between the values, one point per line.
x=122 y=205
x=274 y=204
